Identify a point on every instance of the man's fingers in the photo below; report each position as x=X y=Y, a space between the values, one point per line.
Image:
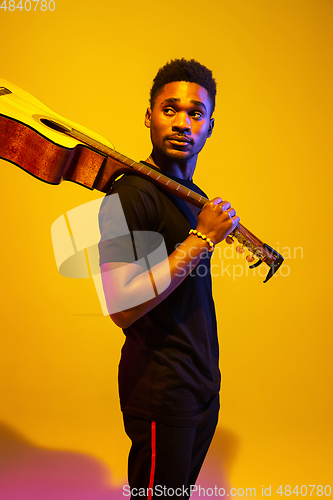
x=217 y=200
x=225 y=206
x=235 y=221
x=231 y=212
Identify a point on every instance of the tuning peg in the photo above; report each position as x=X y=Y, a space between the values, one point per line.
x=229 y=240
x=240 y=249
x=250 y=258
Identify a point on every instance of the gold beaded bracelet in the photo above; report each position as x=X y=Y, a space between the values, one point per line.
x=204 y=237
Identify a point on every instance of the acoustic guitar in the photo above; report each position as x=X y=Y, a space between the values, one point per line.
x=54 y=149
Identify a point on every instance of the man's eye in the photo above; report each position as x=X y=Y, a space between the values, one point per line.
x=197 y=114
x=169 y=111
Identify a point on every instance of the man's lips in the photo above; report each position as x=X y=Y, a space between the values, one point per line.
x=179 y=139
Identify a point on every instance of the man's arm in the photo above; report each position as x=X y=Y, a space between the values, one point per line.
x=123 y=282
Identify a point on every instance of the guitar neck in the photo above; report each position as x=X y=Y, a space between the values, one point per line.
x=118 y=164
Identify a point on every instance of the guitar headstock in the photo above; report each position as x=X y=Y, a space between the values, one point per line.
x=258 y=249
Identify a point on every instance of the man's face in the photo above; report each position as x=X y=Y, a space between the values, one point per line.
x=180 y=120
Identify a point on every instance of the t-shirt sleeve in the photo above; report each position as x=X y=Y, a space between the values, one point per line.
x=127 y=217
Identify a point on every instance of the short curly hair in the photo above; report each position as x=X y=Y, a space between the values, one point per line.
x=182 y=70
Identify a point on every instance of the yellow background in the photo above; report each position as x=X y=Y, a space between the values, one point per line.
x=270 y=155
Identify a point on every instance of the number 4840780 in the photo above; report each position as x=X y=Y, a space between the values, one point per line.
x=311 y=489
x=28 y=5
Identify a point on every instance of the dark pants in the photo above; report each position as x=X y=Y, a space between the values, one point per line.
x=166 y=458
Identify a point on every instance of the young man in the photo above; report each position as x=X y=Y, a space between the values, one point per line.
x=168 y=374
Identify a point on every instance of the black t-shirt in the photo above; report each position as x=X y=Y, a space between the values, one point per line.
x=168 y=370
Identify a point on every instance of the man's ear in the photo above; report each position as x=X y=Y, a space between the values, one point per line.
x=211 y=126
x=148 y=118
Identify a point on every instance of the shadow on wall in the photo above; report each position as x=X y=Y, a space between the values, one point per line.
x=29 y=472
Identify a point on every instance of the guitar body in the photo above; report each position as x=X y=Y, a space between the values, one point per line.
x=32 y=137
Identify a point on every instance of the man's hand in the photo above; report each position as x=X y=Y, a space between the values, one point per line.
x=217 y=219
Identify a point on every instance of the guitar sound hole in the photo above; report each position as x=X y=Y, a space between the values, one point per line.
x=54 y=125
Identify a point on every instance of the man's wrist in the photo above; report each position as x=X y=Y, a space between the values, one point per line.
x=210 y=243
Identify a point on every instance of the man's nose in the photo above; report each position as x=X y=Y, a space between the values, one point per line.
x=182 y=122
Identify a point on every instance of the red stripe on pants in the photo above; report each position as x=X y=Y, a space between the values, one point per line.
x=153 y=458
